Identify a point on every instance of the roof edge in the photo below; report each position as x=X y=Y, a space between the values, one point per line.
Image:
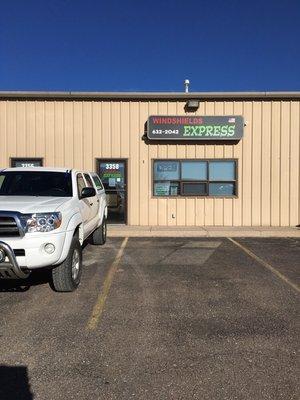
x=147 y=95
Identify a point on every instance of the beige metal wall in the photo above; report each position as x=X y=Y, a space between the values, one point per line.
x=75 y=133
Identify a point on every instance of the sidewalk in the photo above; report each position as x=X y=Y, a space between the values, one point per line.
x=207 y=231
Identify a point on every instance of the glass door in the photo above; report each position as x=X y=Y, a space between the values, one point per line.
x=113 y=174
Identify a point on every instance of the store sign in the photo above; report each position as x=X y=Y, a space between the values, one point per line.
x=111 y=174
x=195 y=128
x=168 y=166
x=26 y=162
x=162 y=189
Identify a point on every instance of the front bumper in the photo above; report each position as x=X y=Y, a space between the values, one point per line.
x=9 y=268
x=33 y=247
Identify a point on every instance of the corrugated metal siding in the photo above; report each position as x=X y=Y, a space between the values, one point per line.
x=75 y=133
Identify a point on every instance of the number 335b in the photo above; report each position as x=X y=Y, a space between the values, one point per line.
x=112 y=166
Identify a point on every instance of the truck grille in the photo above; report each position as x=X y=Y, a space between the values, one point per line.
x=8 y=227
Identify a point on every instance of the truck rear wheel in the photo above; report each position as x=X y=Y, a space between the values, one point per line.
x=66 y=277
x=99 y=235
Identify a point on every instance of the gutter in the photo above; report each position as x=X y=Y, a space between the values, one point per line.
x=21 y=95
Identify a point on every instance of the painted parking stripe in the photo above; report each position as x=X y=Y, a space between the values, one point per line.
x=100 y=303
x=266 y=265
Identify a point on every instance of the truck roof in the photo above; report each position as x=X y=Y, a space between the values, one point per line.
x=43 y=169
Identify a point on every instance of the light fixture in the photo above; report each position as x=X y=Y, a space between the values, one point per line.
x=49 y=248
x=192 y=105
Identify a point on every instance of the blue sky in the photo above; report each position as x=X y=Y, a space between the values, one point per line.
x=136 y=45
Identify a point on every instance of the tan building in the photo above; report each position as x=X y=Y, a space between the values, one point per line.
x=190 y=170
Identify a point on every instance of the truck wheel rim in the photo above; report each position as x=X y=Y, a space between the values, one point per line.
x=75 y=264
x=104 y=229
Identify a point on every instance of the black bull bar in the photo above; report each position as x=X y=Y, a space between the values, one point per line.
x=10 y=269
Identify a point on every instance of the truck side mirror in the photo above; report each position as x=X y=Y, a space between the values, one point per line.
x=87 y=192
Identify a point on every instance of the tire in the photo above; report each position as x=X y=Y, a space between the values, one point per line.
x=66 y=277
x=99 y=235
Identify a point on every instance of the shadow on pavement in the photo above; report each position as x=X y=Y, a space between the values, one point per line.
x=14 y=383
x=22 y=285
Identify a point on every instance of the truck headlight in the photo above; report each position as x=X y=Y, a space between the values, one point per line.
x=41 y=222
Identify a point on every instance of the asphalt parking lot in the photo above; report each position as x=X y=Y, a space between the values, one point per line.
x=159 y=318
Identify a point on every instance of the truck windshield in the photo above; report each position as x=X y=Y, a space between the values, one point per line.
x=35 y=183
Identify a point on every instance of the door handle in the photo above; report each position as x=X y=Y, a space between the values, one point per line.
x=98 y=200
x=91 y=204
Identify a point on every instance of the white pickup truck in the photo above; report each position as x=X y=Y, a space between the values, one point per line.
x=45 y=216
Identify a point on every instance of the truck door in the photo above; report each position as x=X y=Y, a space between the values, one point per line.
x=100 y=191
x=85 y=208
x=93 y=201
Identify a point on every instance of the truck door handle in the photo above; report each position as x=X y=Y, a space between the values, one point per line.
x=97 y=200
x=91 y=204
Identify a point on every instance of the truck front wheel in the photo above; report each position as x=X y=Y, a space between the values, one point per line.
x=99 y=235
x=66 y=277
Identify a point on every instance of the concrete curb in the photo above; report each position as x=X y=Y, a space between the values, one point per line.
x=167 y=231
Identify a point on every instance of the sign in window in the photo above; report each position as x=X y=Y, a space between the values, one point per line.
x=195 y=178
x=26 y=162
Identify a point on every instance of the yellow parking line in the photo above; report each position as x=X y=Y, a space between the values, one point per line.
x=266 y=265
x=100 y=303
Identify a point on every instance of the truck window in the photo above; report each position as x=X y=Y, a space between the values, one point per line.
x=37 y=183
x=88 y=180
x=80 y=184
x=97 y=182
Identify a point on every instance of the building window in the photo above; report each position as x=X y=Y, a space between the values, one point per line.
x=26 y=162
x=195 y=178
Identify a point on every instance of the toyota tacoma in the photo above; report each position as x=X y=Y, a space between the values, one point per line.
x=46 y=214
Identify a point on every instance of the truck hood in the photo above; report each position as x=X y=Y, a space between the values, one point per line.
x=31 y=204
